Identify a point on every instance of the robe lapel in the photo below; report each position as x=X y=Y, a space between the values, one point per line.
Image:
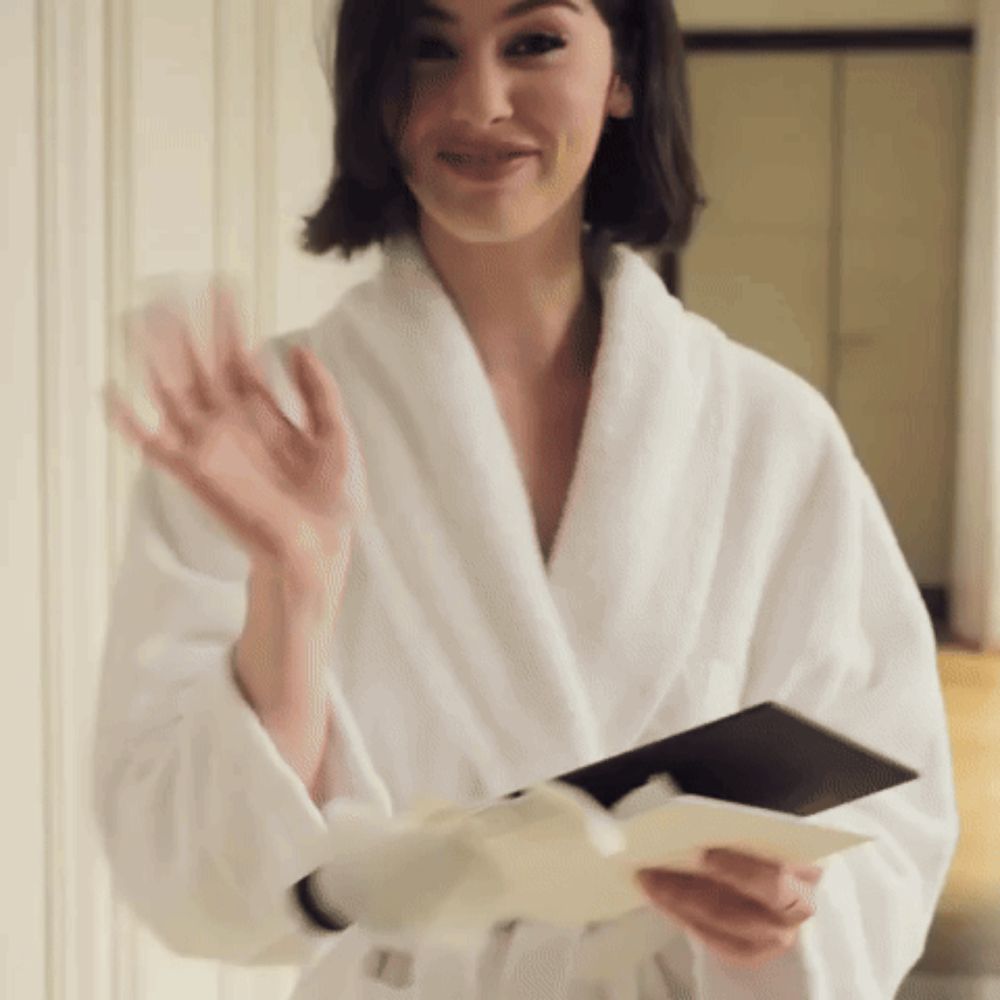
x=529 y=643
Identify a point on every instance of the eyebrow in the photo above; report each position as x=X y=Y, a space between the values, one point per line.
x=434 y=13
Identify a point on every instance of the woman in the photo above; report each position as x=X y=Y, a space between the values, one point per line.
x=528 y=512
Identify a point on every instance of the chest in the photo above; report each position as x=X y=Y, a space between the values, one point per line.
x=545 y=428
x=489 y=674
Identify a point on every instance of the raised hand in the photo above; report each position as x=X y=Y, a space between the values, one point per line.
x=281 y=491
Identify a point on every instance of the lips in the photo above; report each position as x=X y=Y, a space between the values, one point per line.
x=485 y=154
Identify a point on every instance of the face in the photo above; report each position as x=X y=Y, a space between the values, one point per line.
x=538 y=76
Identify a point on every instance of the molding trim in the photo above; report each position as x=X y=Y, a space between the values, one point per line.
x=48 y=58
x=960 y=37
x=835 y=265
x=72 y=441
x=265 y=157
x=120 y=280
x=235 y=187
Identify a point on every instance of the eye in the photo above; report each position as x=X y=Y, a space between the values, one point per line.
x=550 y=42
x=426 y=47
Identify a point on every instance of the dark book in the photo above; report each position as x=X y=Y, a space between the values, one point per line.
x=766 y=756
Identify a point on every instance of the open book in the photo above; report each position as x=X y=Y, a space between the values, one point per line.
x=565 y=852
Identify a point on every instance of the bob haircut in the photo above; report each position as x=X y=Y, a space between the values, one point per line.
x=643 y=185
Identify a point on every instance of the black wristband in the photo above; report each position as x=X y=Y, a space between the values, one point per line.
x=314 y=913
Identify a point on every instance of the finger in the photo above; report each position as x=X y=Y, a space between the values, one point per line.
x=286 y=444
x=722 y=907
x=320 y=393
x=810 y=874
x=754 y=935
x=738 y=954
x=244 y=378
x=243 y=374
x=233 y=357
x=722 y=855
x=177 y=415
x=273 y=420
x=176 y=375
x=202 y=390
x=174 y=342
x=771 y=883
x=121 y=416
x=732 y=948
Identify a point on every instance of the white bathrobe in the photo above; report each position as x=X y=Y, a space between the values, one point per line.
x=721 y=546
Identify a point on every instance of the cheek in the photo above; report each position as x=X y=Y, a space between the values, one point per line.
x=563 y=158
x=576 y=122
x=411 y=142
x=572 y=153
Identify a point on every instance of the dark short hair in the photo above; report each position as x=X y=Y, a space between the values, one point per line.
x=643 y=185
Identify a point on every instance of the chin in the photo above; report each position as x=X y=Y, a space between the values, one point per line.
x=500 y=228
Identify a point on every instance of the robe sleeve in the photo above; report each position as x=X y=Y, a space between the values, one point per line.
x=205 y=826
x=842 y=636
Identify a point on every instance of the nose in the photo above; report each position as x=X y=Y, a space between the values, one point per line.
x=480 y=92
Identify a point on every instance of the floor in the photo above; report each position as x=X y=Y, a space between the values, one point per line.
x=965 y=937
x=926 y=986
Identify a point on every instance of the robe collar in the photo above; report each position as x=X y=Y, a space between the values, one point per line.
x=553 y=619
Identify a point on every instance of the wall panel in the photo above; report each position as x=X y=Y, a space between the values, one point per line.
x=759 y=262
x=832 y=246
x=904 y=155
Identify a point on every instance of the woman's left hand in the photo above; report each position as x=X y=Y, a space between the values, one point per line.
x=746 y=909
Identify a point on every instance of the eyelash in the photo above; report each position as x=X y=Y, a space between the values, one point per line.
x=556 y=42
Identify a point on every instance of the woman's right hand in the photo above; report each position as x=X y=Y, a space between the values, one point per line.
x=282 y=492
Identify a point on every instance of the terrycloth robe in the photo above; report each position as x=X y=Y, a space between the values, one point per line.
x=721 y=545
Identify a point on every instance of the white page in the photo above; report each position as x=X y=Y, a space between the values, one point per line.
x=552 y=855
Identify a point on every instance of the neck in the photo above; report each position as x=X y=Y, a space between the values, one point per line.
x=532 y=306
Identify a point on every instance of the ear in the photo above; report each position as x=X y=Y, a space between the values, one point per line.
x=620 y=101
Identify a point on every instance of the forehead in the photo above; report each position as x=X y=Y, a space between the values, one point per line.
x=453 y=11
